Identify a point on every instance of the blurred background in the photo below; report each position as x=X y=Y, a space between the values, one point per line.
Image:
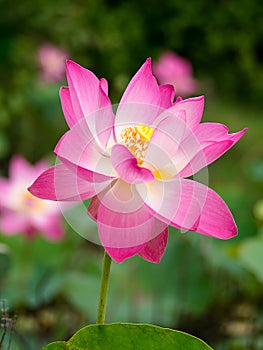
x=50 y=280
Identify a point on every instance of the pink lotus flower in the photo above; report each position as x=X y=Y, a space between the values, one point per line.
x=176 y=70
x=51 y=60
x=20 y=210
x=133 y=164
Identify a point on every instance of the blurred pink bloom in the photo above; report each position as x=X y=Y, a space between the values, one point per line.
x=21 y=212
x=176 y=70
x=133 y=164
x=51 y=60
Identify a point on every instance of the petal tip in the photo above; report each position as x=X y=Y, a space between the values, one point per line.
x=71 y=65
x=62 y=89
x=149 y=60
x=244 y=131
x=234 y=232
x=32 y=189
x=69 y=62
x=200 y=98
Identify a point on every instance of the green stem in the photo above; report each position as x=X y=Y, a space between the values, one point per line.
x=104 y=289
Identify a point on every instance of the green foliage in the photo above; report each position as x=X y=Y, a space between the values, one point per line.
x=130 y=337
x=251 y=255
x=58 y=345
x=114 y=36
x=4 y=260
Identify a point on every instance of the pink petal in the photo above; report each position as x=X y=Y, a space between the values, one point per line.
x=4 y=191
x=140 y=102
x=178 y=99
x=193 y=108
x=51 y=227
x=213 y=140
x=95 y=203
x=191 y=206
x=86 y=174
x=104 y=85
x=123 y=220
x=175 y=70
x=103 y=119
x=59 y=183
x=84 y=89
x=204 y=157
x=121 y=254
x=67 y=107
x=210 y=132
x=93 y=208
x=216 y=219
x=164 y=143
x=143 y=87
x=88 y=98
x=167 y=95
x=12 y=223
x=19 y=167
x=21 y=171
x=127 y=167
x=153 y=251
x=172 y=202
x=237 y=135
x=79 y=148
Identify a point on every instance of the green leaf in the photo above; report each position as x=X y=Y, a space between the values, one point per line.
x=129 y=337
x=58 y=345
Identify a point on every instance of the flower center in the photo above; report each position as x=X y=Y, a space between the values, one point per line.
x=136 y=139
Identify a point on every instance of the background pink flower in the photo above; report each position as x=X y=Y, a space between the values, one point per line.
x=21 y=212
x=51 y=60
x=176 y=70
x=134 y=164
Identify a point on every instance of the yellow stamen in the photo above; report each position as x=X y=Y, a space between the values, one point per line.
x=136 y=138
x=145 y=131
x=157 y=174
x=163 y=174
